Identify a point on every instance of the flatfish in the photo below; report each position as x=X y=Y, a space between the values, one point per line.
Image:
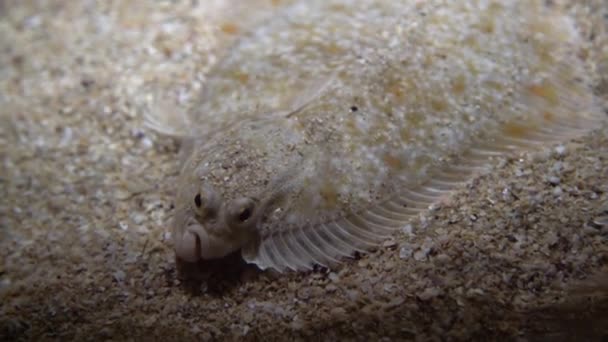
x=327 y=127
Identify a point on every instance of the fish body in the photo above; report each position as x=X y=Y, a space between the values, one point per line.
x=329 y=126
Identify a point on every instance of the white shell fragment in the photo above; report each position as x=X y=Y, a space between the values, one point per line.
x=325 y=129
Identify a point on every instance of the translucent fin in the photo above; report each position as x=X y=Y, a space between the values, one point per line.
x=293 y=101
x=163 y=118
x=229 y=20
x=234 y=18
x=313 y=92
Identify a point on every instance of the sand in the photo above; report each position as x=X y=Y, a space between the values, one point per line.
x=86 y=194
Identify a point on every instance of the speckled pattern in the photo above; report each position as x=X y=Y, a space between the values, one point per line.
x=86 y=194
x=323 y=123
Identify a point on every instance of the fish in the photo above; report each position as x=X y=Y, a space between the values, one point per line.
x=327 y=127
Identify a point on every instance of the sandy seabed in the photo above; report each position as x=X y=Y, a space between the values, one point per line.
x=86 y=192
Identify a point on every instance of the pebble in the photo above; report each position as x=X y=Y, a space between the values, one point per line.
x=557 y=191
x=353 y=295
x=408 y=229
x=119 y=276
x=123 y=225
x=601 y=220
x=138 y=218
x=338 y=312
x=331 y=288
x=560 y=150
x=248 y=317
x=420 y=255
x=429 y=293
x=146 y=143
x=557 y=167
x=442 y=259
x=297 y=324
x=246 y=329
x=406 y=251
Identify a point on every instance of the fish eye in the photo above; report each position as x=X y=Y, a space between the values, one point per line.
x=245 y=214
x=241 y=211
x=206 y=203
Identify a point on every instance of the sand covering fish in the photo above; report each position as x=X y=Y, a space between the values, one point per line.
x=329 y=126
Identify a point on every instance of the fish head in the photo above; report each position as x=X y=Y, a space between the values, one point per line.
x=232 y=185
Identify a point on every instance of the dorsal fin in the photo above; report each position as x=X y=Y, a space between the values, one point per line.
x=229 y=20
x=233 y=19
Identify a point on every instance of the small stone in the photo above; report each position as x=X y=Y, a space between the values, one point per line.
x=408 y=229
x=442 y=259
x=389 y=244
x=389 y=265
x=334 y=277
x=395 y=302
x=553 y=180
x=246 y=329
x=475 y=292
x=146 y=143
x=119 y=276
x=406 y=251
x=297 y=324
x=420 y=255
x=304 y=294
x=123 y=225
x=601 y=220
x=331 y=288
x=150 y=321
x=363 y=263
x=353 y=295
x=560 y=150
x=122 y=194
x=138 y=218
x=429 y=293
x=389 y=287
x=248 y=317
x=506 y=195
x=338 y=312
x=106 y=332
x=87 y=82
x=557 y=167
x=425 y=221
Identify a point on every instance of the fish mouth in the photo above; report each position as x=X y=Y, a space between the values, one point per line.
x=188 y=244
x=196 y=243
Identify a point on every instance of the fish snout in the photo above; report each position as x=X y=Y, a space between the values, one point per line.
x=195 y=243
x=188 y=244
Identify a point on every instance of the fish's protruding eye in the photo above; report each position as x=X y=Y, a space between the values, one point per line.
x=240 y=212
x=197 y=200
x=245 y=214
x=206 y=203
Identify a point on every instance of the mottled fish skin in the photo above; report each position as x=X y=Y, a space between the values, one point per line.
x=329 y=126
